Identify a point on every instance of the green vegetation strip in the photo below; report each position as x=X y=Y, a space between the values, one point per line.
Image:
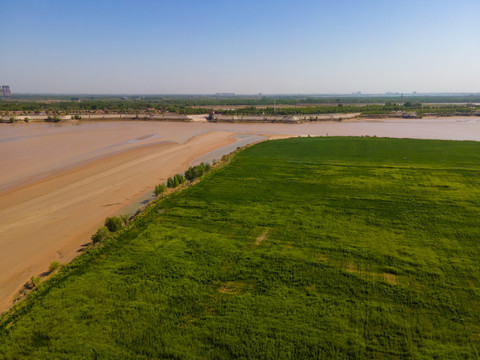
x=453 y=105
x=300 y=248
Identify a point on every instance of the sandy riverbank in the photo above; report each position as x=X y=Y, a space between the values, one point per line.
x=50 y=218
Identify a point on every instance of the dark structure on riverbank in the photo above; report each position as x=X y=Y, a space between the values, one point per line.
x=5 y=90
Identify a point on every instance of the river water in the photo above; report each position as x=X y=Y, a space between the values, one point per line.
x=31 y=151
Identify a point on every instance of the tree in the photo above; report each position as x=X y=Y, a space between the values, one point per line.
x=180 y=178
x=189 y=174
x=101 y=234
x=114 y=223
x=199 y=170
x=160 y=189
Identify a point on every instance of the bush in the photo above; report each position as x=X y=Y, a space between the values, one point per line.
x=114 y=223
x=170 y=182
x=101 y=234
x=35 y=280
x=53 y=266
x=160 y=189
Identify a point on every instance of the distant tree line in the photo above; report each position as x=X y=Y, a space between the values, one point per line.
x=187 y=105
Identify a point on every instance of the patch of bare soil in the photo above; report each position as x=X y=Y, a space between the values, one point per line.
x=387 y=277
x=262 y=237
x=390 y=278
x=232 y=287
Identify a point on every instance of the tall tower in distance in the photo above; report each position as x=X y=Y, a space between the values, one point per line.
x=5 y=90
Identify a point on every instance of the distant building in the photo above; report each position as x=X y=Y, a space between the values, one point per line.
x=5 y=90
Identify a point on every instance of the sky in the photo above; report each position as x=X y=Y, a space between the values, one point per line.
x=240 y=46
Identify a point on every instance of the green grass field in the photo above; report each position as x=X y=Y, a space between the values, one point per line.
x=304 y=248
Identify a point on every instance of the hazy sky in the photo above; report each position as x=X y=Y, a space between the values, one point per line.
x=241 y=46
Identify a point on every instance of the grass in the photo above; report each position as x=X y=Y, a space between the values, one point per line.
x=307 y=248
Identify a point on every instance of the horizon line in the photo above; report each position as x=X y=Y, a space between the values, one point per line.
x=233 y=94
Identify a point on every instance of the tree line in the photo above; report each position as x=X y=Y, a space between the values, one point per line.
x=189 y=104
x=192 y=173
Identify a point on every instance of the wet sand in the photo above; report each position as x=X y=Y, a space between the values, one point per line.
x=59 y=182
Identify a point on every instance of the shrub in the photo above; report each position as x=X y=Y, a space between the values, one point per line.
x=170 y=182
x=101 y=234
x=114 y=223
x=35 y=280
x=53 y=266
x=160 y=189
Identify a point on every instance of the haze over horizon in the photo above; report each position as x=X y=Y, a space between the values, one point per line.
x=248 y=47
